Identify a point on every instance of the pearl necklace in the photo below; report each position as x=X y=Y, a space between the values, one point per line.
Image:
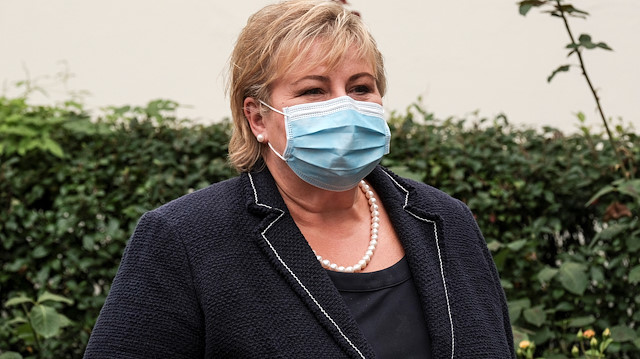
x=375 y=224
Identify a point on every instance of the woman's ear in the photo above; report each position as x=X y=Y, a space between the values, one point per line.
x=253 y=115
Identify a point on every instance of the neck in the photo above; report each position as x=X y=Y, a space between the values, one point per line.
x=303 y=198
x=311 y=206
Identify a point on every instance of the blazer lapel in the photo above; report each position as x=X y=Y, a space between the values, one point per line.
x=421 y=233
x=291 y=256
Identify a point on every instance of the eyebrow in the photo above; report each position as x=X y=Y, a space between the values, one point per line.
x=326 y=79
x=361 y=74
x=312 y=77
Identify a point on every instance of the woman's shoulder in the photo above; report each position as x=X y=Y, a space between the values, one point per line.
x=420 y=192
x=198 y=218
x=215 y=196
x=220 y=202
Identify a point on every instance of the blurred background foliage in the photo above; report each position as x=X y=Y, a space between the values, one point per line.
x=558 y=215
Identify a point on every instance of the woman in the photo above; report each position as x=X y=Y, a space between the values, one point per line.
x=314 y=250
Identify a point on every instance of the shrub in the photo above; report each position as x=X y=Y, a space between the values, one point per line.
x=72 y=190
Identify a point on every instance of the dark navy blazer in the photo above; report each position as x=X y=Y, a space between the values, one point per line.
x=225 y=272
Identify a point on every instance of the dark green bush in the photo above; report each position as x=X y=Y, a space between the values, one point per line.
x=72 y=190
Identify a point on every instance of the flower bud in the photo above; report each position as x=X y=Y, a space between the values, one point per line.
x=594 y=342
x=575 y=351
x=606 y=333
x=580 y=335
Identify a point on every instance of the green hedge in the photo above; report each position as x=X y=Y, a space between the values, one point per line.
x=72 y=190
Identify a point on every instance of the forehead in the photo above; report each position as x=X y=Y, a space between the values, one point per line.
x=321 y=58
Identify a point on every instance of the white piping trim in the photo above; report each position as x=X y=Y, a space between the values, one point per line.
x=255 y=194
x=444 y=282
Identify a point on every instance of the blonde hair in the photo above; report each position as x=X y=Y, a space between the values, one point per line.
x=277 y=39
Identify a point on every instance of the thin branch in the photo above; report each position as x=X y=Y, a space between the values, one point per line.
x=593 y=91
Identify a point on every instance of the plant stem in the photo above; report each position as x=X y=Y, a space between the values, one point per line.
x=35 y=335
x=593 y=91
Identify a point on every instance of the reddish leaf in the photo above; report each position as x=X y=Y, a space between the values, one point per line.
x=616 y=210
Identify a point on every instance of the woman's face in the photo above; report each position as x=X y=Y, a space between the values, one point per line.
x=353 y=77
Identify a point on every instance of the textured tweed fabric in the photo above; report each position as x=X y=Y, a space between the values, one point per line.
x=225 y=273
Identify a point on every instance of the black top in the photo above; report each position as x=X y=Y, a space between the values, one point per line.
x=386 y=306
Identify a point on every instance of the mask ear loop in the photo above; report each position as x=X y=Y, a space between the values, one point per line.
x=276 y=152
x=269 y=143
x=271 y=108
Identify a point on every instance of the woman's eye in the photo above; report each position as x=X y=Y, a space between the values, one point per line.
x=311 y=91
x=361 y=89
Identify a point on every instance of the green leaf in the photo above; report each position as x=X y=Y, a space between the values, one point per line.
x=634 y=275
x=39 y=252
x=516 y=307
x=45 y=320
x=46 y=296
x=600 y=193
x=564 y=307
x=64 y=321
x=112 y=227
x=19 y=130
x=585 y=41
x=535 y=315
x=524 y=9
x=630 y=188
x=546 y=274
x=570 y=9
x=494 y=245
x=605 y=343
x=622 y=333
x=18 y=300
x=573 y=278
x=602 y=45
x=526 y=5
x=10 y=355
x=543 y=335
x=506 y=284
x=88 y=242
x=85 y=126
x=611 y=232
x=17 y=320
x=581 y=322
x=53 y=147
x=517 y=245
x=597 y=274
x=25 y=333
x=563 y=68
x=633 y=243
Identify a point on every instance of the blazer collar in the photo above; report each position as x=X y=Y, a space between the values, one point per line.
x=418 y=227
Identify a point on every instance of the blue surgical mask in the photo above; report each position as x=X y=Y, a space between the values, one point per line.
x=334 y=144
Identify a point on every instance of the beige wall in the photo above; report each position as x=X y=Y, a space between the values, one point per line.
x=459 y=55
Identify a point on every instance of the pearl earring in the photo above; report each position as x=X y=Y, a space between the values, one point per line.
x=260 y=138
